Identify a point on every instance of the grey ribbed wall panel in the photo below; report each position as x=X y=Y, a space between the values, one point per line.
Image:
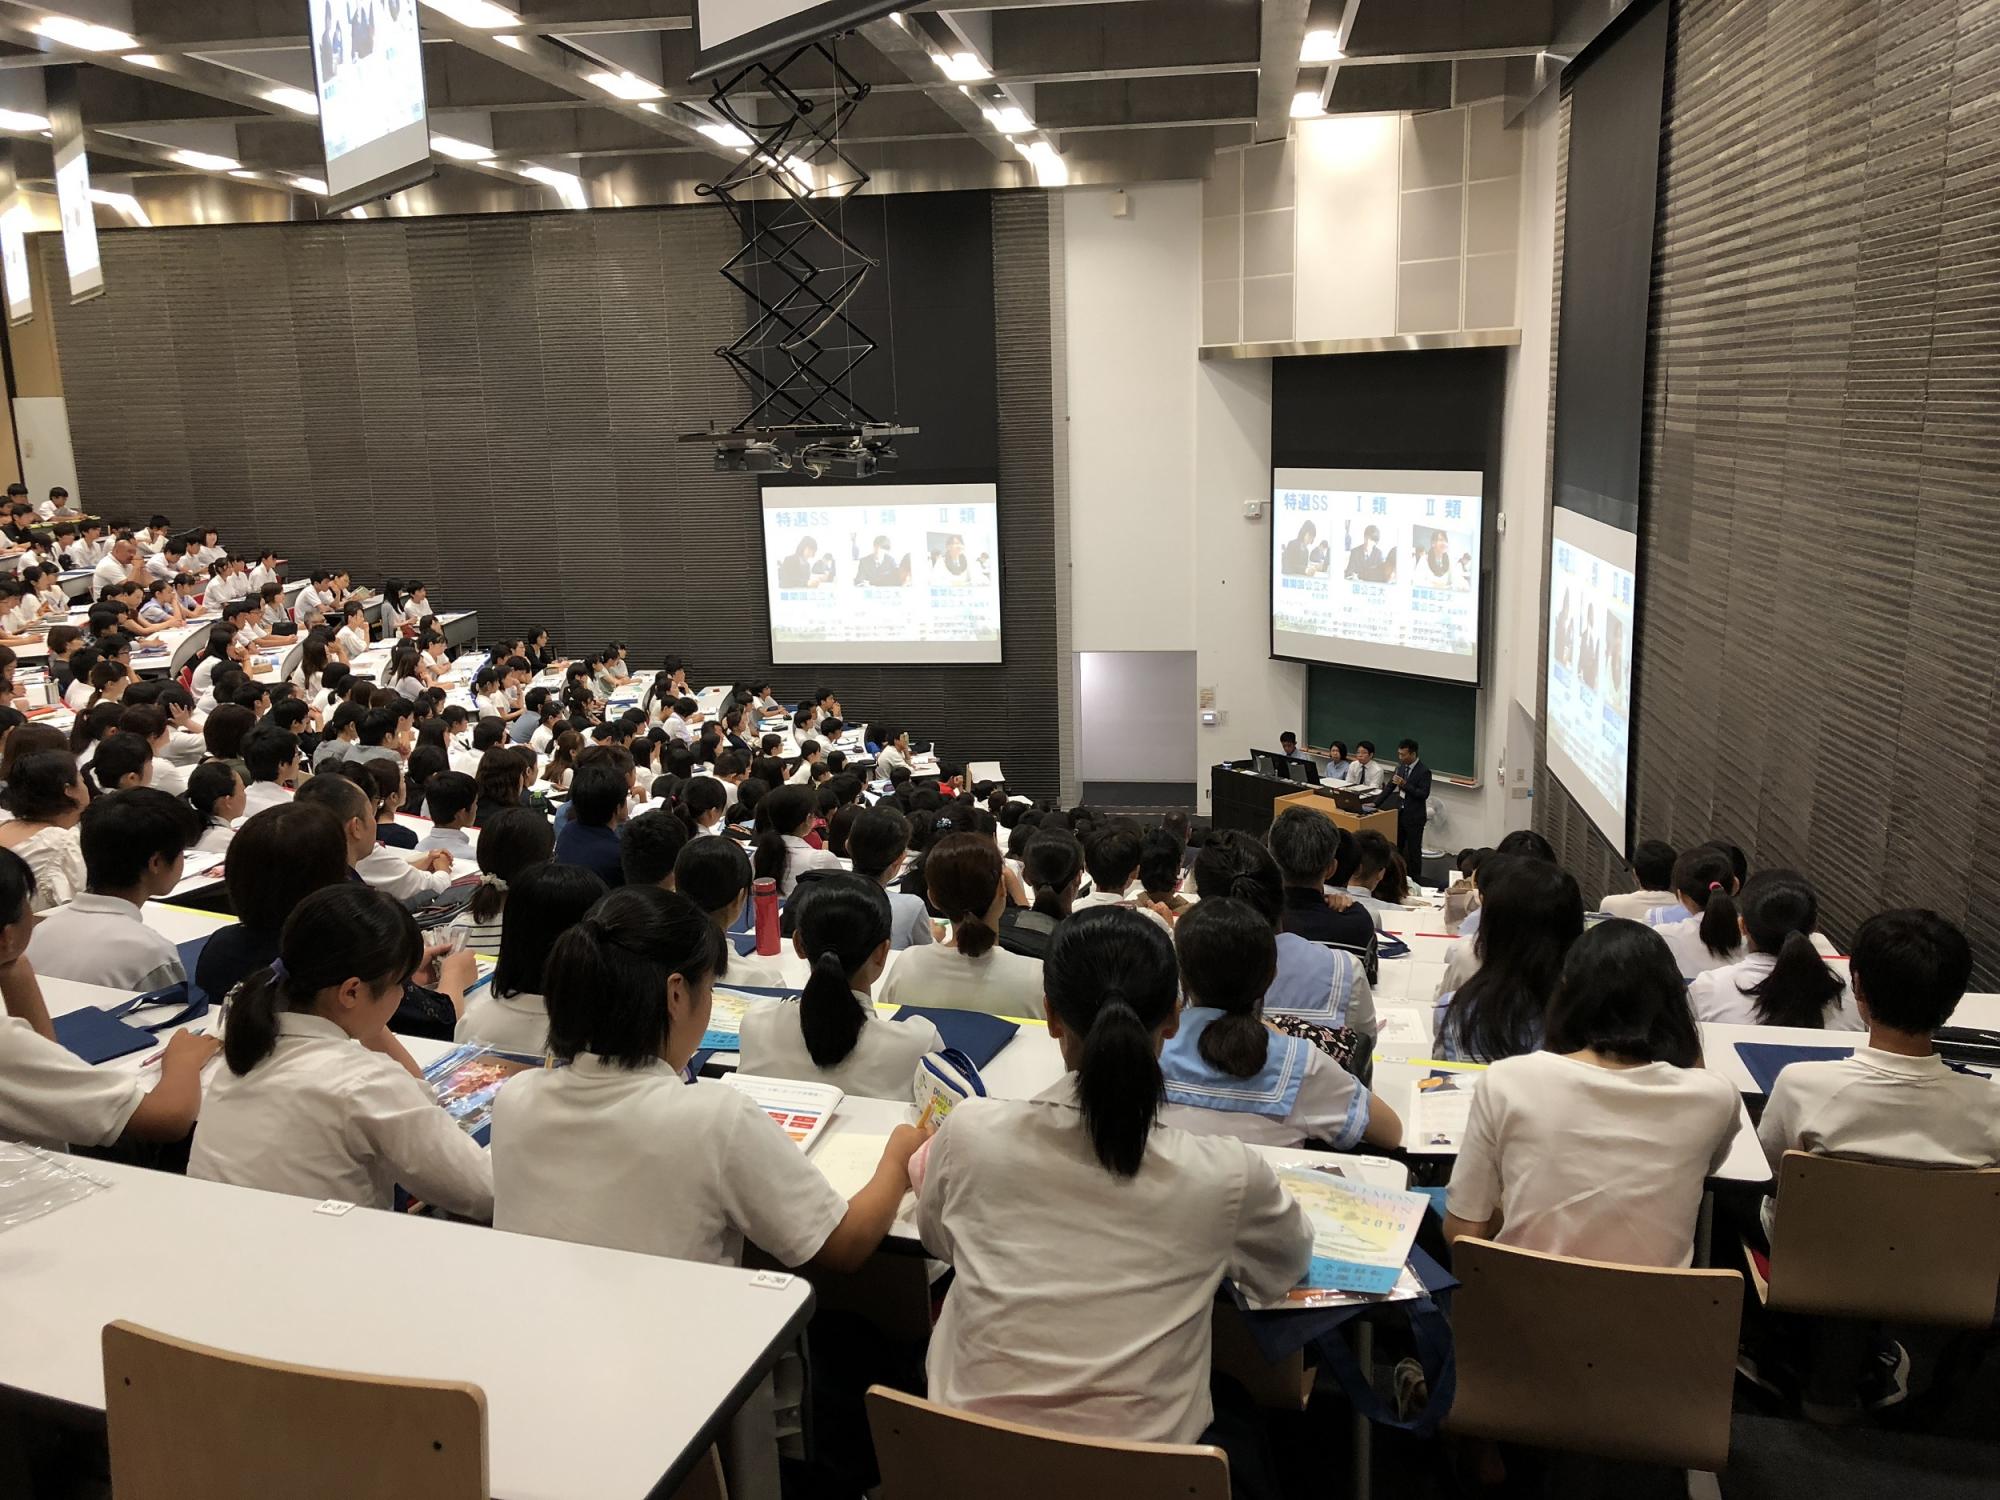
x=493 y=405
x=1818 y=550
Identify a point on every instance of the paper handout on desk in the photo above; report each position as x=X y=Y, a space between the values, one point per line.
x=1361 y=1239
x=725 y=1019
x=1440 y=1109
x=801 y=1109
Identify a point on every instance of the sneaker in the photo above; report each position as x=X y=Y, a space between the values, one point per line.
x=1886 y=1381
x=1413 y=1390
x=1773 y=1377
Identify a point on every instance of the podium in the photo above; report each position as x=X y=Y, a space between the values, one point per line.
x=1383 y=822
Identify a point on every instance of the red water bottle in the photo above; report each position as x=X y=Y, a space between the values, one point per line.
x=765 y=893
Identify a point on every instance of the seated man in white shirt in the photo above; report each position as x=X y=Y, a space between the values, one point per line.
x=152 y=536
x=1365 y=770
x=895 y=751
x=132 y=846
x=116 y=566
x=169 y=561
x=338 y=789
x=56 y=505
x=1653 y=866
x=271 y=755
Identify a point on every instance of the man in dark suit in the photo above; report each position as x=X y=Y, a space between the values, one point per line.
x=1412 y=779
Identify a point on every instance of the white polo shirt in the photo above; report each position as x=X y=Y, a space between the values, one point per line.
x=97 y=939
x=109 y=570
x=390 y=870
x=1634 y=905
x=1604 y=1163
x=262 y=794
x=513 y=1023
x=1082 y=1299
x=1683 y=939
x=51 y=1097
x=1724 y=995
x=635 y=1159
x=883 y=1064
x=937 y=974
x=1885 y=1107
x=324 y=1117
x=801 y=857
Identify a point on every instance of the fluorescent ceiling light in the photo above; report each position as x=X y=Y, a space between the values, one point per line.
x=1050 y=169
x=1320 y=47
x=457 y=150
x=298 y=101
x=245 y=172
x=125 y=203
x=482 y=14
x=1008 y=119
x=568 y=186
x=357 y=213
x=87 y=36
x=623 y=85
x=725 y=135
x=206 y=161
x=1306 y=105
x=897 y=17
x=961 y=67
x=19 y=119
x=310 y=185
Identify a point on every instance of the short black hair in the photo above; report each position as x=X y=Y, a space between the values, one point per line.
x=1112 y=858
x=1525 y=843
x=1653 y=863
x=1305 y=845
x=1288 y=738
x=340 y=795
x=448 y=794
x=267 y=749
x=1160 y=860
x=1368 y=745
x=121 y=832
x=1407 y=744
x=649 y=845
x=596 y=791
x=1911 y=967
x=378 y=725
x=279 y=857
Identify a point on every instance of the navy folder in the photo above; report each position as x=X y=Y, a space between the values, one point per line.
x=1766 y=1060
x=973 y=1032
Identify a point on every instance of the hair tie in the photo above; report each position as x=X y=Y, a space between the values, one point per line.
x=1715 y=885
x=486 y=877
x=278 y=970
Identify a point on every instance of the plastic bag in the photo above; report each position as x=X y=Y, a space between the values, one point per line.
x=34 y=1183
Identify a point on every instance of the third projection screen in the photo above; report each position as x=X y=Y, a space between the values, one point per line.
x=882 y=573
x=1590 y=665
x=1377 y=568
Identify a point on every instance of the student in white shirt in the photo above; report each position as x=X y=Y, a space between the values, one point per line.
x=1143 y=1220
x=1533 y=914
x=714 y=873
x=1713 y=935
x=802 y=773
x=152 y=536
x=1598 y=1145
x=1365 y=770
x=705 y=801
x=265 y=570
x=340 y=789
x=1781 y=980
x=449 y=798
x=1373 y=854
x=616 y=1149
x=895 y=752
x=133 y=842
x=1229 y=1071
x=51 y=1097
x=122 y=760
x=833 y=1033
x=56 y=505
x=46 y=795
x=876 y=844
x=217 y=795
x=1111 y=855
x=320 y=1099
x=166 y=563
x=207 y=546
x=510 y=841
x=271 y=755
x=783 y=854
x=1895 y=1100
x=547 y=900
x=1653 y=867
x=963 y=875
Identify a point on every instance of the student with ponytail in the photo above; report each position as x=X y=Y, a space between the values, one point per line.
x=509 y=841
x=320 y=1099
x=833 y=1035
x=1781 y=980
x=616 y=1149
x=877 y=840
x=963 y=875
x=783 y=854
x=1143 y=1220
x=1052 y=870
x=1229 y=1072
x=1712 y=936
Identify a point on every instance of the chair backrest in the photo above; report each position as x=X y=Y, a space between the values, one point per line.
x=926 y=1450
x=1903 y=1244
x=185 y=1419
x=1626 y=1362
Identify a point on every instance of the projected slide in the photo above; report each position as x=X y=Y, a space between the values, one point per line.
x=368 y=60
x=882 y=573
x=1377 y=568
x=1590 y=665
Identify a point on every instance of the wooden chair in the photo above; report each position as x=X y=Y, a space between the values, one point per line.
x=926 y=1450
x=185 y=1419
x=1857 y=1239
x=1623 y=1362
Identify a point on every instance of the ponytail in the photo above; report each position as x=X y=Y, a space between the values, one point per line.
x=784 y=811
x=771 y=858
x=339 y=932
x=1228 y=957
x=842 y=919
x=963 y=874
x=1117 y=1020
x=1779 y=913
x=1050 y=865
x=1706 y=883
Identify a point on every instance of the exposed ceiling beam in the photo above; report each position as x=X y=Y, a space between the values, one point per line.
x=1281 y=28
x=908 y=50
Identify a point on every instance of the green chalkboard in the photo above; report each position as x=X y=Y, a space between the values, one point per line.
x=1443 y=717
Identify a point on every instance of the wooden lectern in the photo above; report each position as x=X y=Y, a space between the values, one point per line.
x=1383 y=822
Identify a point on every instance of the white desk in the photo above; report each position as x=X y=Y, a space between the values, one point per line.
x=1719 y=1054
x=606 y=1373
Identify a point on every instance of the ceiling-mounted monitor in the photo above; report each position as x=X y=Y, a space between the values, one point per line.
x=729 y=33
x=368 y=67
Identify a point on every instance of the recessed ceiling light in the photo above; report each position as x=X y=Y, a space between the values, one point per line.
x=1050 y=169
x=309 y=185
x=458 y=150
x=1320 y=47
x=1306 y=105
x=299 y=101
x=125 y=203
x=206 y=161
x=961 y=67
x=19 y=119
x=87 y=36
x=480 y=14
x=725 y=135
x=568 y=186
x=623 y=85
x=1008 y=119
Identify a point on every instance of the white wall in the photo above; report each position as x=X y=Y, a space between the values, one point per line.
x=1347 y=207
x=41 y=423
x=1132 y=294
x=1141 y=727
